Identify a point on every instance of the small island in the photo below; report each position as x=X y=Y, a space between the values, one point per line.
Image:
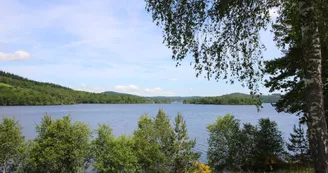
x=234 y=99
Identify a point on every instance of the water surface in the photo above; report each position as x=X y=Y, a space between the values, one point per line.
x=123 y=117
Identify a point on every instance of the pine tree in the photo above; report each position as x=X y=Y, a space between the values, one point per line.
x=184 y=155
x=299 y=146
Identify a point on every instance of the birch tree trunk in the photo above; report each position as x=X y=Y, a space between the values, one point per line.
x=318 y=135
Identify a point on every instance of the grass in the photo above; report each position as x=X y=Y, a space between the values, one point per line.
x=303 y=170
x=4 y=85
x=308 y=170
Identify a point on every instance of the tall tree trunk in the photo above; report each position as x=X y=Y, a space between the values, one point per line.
x=318 y=135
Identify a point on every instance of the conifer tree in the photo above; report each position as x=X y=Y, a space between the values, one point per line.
x=299 y=146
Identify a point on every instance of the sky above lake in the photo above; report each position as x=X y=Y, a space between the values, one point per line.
x=99 y=45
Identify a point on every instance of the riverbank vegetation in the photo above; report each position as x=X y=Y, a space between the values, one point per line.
x=157 y=145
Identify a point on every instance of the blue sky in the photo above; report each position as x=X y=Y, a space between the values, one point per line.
x=98 y=46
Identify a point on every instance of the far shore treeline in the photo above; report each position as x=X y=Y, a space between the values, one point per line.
x=157 y=145
x=16 y=90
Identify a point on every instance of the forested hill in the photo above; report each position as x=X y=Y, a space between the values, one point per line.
x=169 y=99
x=233 y=99
x=16 y=90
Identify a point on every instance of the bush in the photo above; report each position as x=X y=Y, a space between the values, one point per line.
x=251 y=148
x=113 y=154
x=299 y=147
x=223 y=144
x=61 y=146
x=11 y=144
x=162 y=147
x=201 y=168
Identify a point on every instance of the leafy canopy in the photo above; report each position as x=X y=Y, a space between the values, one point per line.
x=251 y=148
x=221 y=36
x=113 y=154
x=61 y=146
x=11 y=143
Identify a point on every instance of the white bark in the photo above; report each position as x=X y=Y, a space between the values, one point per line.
x=313 y=81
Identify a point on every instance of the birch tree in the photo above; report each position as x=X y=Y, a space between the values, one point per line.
x=223 y=39
x=11 y=143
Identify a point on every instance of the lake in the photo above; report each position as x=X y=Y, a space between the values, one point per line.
x=123 y=117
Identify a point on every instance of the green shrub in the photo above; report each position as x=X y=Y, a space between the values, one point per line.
x=251 y=148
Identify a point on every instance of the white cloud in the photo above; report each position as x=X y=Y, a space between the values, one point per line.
x=133 y=89
x=85 y=87
x=173 y=79
x=120 y=27
x=16 y=56
x=126 y=88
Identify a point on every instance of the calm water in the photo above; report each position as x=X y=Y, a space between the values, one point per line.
x=123 y=117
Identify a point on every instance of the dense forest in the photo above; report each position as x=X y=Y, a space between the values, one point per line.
x=229 y=99
x=170 y=99
x=233 y=99
x=16 y=90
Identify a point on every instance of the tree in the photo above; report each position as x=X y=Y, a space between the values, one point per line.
x=161 y=147
x=248 y=147
x=11 y=143
x=253 y=148
x=113 y=154
x=60 y=146
x=223 y=144
x=223 y=38
x=146 y=146
x=183 y=156
x=299 y=146
x=286 y=72
x=165 y=137
x=269 y=145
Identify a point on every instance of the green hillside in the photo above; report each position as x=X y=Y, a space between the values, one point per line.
x=4 y=85
x=233 y=99
x=16 y=90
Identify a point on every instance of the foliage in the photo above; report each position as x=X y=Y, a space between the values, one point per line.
x=299 y=146
x=222 y=36
x=11 y=143
x=147 y=148
x=289 y=73
x=61 y=146
x=223 y=101
x=183 y=147
x=161 y=147
x=156 y=146
x=27 y=92
x=286 y=74
x=269 y=145
x=234 y=99
x=112 y=154
x=223 y=144
x=201 y=168
x=252 y=148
